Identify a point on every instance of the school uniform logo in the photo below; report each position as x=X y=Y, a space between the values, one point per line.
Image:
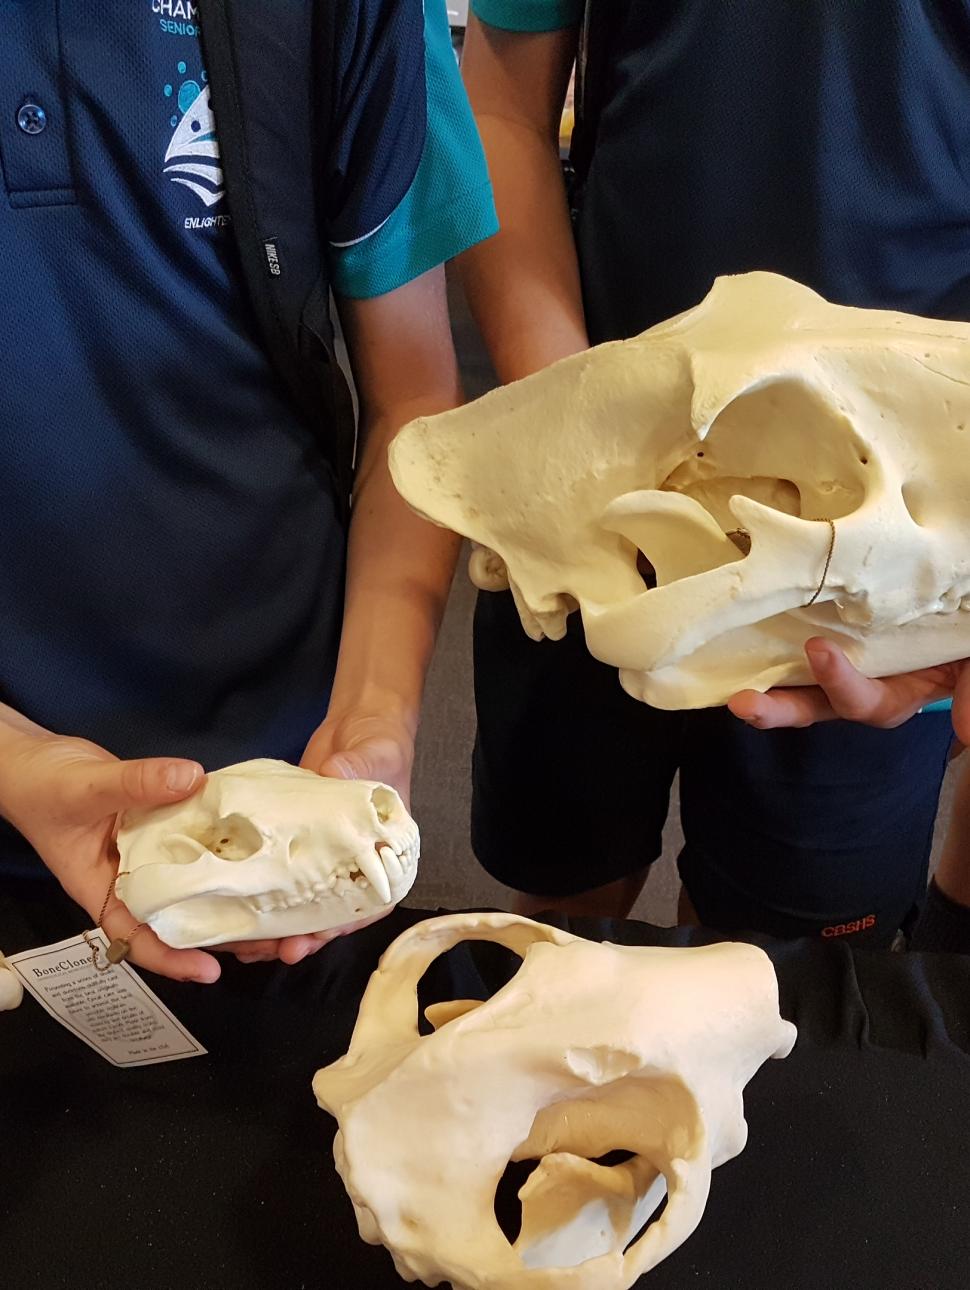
x=192 y=156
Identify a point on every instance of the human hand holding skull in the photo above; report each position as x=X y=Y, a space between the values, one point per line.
x=67 y=796
x=64 y=795
x=844 y=692
x=373 y=748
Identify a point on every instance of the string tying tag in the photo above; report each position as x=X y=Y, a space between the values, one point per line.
x=119 y=948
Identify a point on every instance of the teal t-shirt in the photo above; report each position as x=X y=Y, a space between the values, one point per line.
x=449 y=205
x=528 y=15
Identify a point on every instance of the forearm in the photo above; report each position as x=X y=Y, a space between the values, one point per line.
x=15 y=731
x=399 y=567
x=399 y=571
x=523 y=284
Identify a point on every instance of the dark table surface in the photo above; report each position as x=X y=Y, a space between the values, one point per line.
x=217 y=1171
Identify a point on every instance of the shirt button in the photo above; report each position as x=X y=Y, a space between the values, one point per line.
x=32 y=118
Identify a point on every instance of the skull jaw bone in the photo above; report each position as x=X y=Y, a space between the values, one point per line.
x=266 y=850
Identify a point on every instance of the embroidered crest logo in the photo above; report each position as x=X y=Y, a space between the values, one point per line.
x=192 y=157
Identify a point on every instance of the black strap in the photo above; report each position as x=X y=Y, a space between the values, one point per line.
x=591 y=68
x=314 y=381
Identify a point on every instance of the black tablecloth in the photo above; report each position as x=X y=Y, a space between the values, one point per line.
x=217 y=1171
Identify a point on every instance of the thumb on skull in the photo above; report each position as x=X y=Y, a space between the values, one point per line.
x=346 y=765
x=114 y=786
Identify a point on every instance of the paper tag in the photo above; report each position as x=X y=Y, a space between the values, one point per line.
x=113 y=1012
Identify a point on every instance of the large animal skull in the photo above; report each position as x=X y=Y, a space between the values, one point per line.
x=589 y=1049
x=788 y=467
x=266 y=850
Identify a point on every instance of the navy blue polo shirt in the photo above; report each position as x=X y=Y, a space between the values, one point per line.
x=170 y=556
x=828 y=140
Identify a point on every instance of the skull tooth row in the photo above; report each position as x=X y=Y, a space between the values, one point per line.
x=345 y=880
x=266 y=849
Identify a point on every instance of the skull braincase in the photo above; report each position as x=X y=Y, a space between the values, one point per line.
x=266 y=849
x=588 y=1049
x=721 y=445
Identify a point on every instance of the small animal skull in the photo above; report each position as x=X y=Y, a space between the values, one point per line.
x=589 y=1049
x=266 y=850
x=787 y=466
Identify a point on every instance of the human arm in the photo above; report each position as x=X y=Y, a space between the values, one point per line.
x=523 y=285
x=387 y=276
x=64 y=795
x=391 y=297
x=399 y=567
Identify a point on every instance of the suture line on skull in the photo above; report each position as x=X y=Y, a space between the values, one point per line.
x=742 y=540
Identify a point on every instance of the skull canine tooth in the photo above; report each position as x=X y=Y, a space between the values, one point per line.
x=375 y=873
x=391 y=862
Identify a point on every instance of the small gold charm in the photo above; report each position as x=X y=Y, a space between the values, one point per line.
x=118 y=949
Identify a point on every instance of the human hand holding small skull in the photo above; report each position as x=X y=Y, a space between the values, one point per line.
x=65 y=795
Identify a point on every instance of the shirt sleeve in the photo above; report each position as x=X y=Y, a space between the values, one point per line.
x=448 y=206
x=528 y=15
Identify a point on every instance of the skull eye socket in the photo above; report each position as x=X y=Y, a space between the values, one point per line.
x=520 y=1178
x=918 y=500
x=231 y=838
x=593 y=1175
x=385 y=803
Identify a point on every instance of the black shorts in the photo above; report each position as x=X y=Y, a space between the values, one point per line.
x=824 y=831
